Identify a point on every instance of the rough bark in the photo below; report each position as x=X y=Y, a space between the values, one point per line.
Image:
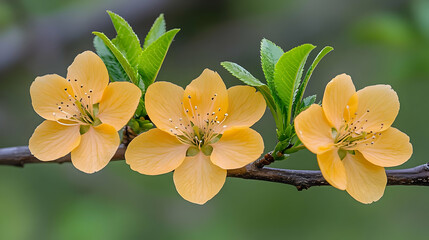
x=301 y=179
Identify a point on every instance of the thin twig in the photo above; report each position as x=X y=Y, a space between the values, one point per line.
x=301 y=179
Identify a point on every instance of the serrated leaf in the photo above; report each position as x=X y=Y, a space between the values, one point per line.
x=246 y=77
x=116 y=72
x=288 y=72
x=156 y=31
x=270 y=54
x=126 y=40
x=242 y=74
x=306 y=102
x=303 y=86
x=152 y=57
x=129 y=70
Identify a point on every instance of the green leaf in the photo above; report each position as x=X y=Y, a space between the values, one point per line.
x=152 y=57
x=242 y=74
x=141 y=110
x=288 y=72
x=126 y=40
x=116 y=72
x=306 y=103
x=129 y=70
x=246 y=77
x=270 y=55
x=156 y=31
x=301 y=89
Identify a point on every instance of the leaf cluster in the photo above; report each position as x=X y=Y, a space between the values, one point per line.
x=127 y=60
x=284 y=88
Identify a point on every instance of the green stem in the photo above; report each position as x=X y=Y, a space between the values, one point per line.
x=294 y=149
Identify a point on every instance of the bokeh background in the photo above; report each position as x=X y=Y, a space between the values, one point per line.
x=383 y=41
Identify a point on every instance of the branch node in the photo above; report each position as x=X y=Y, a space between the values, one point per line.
x=266 y=160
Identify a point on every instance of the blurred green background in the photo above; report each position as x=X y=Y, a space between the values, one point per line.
x=375 y=42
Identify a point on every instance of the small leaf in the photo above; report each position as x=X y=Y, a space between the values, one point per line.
x=288 y=72
x=132 y=74
x=116 y=72
x=242 y=74
x=156 y=31
x=301 y=89
x=126 y=40
x=246 y=77
x=152 y=57
x=141 y=110
x=306 y=102
x=270 y=55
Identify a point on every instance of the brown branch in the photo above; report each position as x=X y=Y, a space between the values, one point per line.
x=301 y=179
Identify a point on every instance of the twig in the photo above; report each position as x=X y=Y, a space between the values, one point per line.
x=301 y=179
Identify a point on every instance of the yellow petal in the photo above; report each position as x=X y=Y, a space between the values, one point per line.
x=391 y=148
x=88 y=74
x=119 y=103
x=351 y=108
x=236 y=148
x=333 y=168
x=378 y=107
x=337 y=94
x=198 y=180
x=245 y=107
x=163 y=105
x=208 y=95
x=365 y=181
x=314 y=130
x=48 y=93
x=155 y=152
x=96 y=148
x=52 y=140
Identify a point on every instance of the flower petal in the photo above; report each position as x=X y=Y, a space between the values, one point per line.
x=52 y=140
x=337 y=94
x=88 y=74
x=333 y=168
x=118 y=104
x=48 y=93
x=96 y=148
x=208 y=95
x=236 y=148
x=163 y=105
x=198 y=180
x=378 y=107
x=314 y=130
x=391 y=148
x=155 y=152
x=245 y=107
x=365 y=181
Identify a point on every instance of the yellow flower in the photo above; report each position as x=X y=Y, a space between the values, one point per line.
x=201 y=131
x=83 y=113
x=352 y=136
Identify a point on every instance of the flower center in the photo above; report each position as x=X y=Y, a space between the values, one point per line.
x=353 y=133
x=78 y=109
x=201 y=128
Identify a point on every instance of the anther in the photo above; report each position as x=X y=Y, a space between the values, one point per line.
x=189 y=96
